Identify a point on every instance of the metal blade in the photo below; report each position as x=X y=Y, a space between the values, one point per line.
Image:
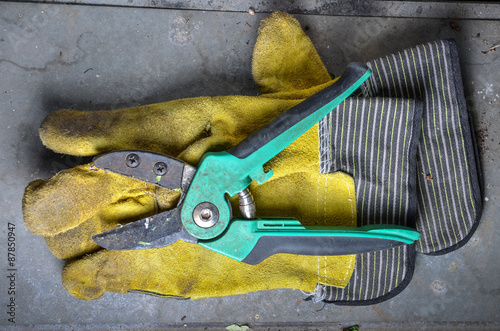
x=156 y=231
x=148 y=167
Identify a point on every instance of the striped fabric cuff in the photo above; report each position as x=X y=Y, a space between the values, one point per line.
x=409 y=145
x=449 y=189
x=375 y=140
x=378 y=276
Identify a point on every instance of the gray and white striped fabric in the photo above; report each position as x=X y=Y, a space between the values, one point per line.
x=378 y=276
x=409 y=146
x=449 y=194
x=375 y=140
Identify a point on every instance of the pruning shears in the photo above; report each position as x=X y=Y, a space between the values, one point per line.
x=203 y=214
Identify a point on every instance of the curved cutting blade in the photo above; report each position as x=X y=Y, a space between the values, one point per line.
x=156 y=231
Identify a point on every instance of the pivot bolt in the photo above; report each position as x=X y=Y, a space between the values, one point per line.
x=160 y=168
x=132 y=160
x=205 y=215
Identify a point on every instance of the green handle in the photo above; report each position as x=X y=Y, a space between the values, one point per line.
x=252 y=241
x=232 y=171
x=263 y=145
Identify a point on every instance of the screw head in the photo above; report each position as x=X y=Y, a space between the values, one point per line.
x=160 y=168
x=205 y=215
x=132 y=160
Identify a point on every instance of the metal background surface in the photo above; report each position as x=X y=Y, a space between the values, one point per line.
x=98 y=57
x=370 y=8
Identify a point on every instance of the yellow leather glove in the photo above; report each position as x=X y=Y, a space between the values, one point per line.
x=77 y=203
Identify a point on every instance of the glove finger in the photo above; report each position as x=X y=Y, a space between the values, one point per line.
x=167 y=127
x=284 y=58
x=78 y=241
x=73 y=196
x=187 y=270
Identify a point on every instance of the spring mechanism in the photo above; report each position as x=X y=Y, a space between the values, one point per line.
x=247 y=204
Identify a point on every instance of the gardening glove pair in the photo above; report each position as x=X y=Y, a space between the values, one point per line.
x=75 y=204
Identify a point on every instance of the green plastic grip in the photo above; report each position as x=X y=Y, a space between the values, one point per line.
x=227 y=173
x=252 y=241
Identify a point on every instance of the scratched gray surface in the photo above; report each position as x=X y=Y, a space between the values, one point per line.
x=87 y=57
x=370 y=8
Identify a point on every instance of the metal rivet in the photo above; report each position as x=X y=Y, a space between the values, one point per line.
x=132 y=160
x=160 y=168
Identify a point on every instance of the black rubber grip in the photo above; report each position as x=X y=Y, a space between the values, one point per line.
x=352 y=73
x=270 y=245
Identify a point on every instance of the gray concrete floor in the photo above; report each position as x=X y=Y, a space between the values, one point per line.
x=88 y=58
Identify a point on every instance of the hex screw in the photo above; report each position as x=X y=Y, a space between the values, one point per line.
x=132 y=160
x=160 y=168
x=205 y=215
